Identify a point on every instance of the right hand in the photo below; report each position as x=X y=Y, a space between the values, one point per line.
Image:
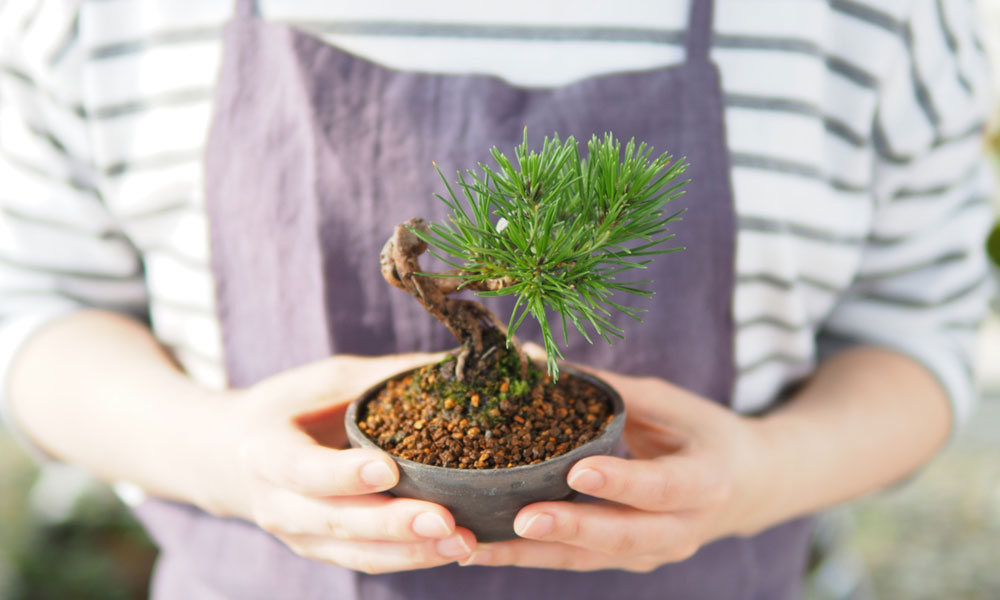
x=323 y=502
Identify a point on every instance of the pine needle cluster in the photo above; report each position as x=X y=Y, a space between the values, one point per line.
x=561 y=231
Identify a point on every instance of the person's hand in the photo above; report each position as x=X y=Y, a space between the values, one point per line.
x=280 y=467
x=694 y=479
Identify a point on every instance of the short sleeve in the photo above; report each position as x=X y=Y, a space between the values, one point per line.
x=923 y=282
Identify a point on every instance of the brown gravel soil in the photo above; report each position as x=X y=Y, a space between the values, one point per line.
x=493 y=420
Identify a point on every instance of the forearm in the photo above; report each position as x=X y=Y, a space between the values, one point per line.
x=866 y=419
x=95 y=389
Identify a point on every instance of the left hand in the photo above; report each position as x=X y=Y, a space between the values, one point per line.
x=694 y=478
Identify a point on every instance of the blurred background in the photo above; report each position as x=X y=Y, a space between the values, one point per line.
x=65 y=536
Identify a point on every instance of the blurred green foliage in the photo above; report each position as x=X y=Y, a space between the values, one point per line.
x=993 y=241
x=993 y=245
x=98 y=552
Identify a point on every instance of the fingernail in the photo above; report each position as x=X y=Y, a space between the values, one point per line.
x=479 y=557
x=586 y=480
x=453 y=547
x=377 y=474
x=537 y=526
x=430 y=525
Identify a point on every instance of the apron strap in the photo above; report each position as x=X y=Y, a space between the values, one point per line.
x=247 y=9
x=698 y=37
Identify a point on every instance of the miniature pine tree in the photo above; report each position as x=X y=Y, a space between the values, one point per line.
x=553 y=228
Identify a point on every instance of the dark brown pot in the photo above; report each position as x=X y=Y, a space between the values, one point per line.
x=486 y=501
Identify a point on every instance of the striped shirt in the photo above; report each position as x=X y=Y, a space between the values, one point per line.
x=854 y=127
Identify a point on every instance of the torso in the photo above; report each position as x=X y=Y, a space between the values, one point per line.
x=800 y=80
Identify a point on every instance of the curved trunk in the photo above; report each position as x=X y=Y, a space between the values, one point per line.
x=468 y=320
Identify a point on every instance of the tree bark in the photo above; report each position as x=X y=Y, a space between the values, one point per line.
x=467 y=320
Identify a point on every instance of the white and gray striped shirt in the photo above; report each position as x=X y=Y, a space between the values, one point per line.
x=854 y=126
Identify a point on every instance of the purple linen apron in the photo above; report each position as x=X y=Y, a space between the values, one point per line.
x=315 y=155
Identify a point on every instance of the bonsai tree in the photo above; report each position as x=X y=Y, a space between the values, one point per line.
x=552 y=228
x=559 y=231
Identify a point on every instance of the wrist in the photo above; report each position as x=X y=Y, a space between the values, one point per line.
x=762 y=493
x=214 y=435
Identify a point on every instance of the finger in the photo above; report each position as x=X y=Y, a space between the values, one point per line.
x=373 y=517
x=292 y=460
x=322 y=416
x=376 y=369
x=348 y=375
x=388 y=366
x=667 y=483
x=534 y=351
x=605 y=528
x=549 y=555
x=384 y=557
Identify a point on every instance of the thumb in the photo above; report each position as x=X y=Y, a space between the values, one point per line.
x=341 y=377
x=368 y=371
x=534 y=351
x=387 y=366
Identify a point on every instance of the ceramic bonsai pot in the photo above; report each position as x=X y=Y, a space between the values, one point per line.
x=487 y=500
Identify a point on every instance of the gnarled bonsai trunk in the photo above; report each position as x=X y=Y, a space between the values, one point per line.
x=467 y=320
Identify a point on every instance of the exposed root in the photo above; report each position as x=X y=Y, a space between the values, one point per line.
x=463 y=356
x=488 y=352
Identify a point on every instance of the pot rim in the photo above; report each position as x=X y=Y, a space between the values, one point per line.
x=617 y=422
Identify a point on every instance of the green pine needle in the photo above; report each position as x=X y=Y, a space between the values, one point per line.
x=563 y=228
